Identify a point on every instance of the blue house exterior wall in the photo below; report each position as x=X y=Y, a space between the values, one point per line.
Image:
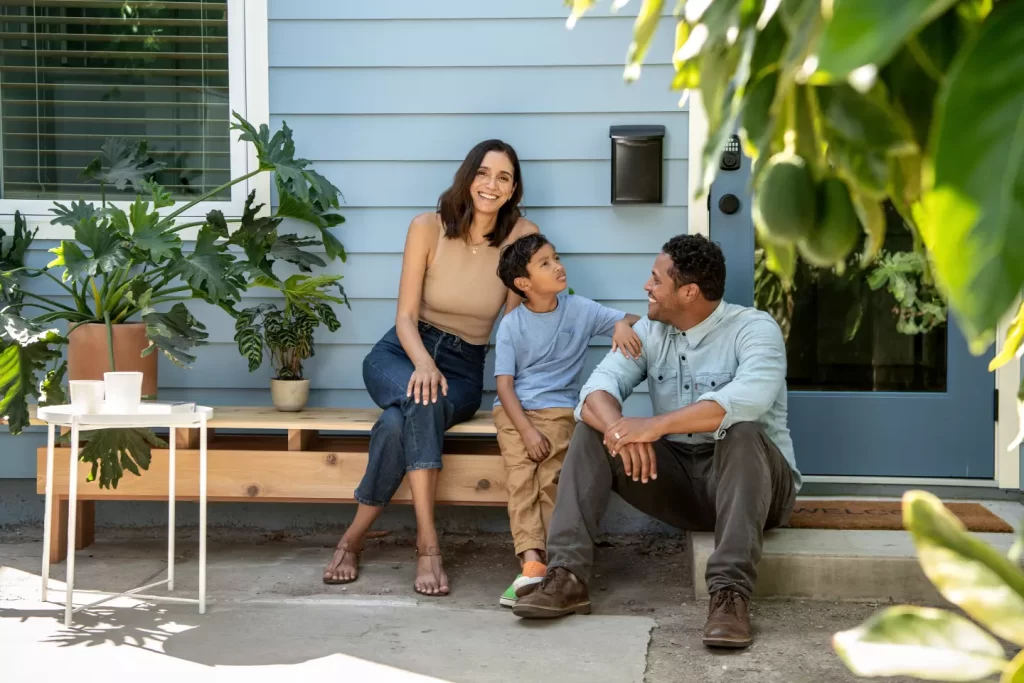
x=386 y=98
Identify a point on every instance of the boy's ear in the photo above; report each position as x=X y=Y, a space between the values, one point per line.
x=523 y=283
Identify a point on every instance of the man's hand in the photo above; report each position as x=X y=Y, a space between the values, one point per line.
x=629 y=430
x=639 y=461
x=626 y=340
x=538 y=448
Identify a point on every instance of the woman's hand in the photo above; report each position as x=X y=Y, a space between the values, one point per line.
x=625 y=339
x=424 y=383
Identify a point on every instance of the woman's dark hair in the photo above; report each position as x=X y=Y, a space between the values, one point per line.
x=697 y=260
x=515 y=257
x=455 y=205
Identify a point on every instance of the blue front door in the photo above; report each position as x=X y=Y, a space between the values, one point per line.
x=865 y=399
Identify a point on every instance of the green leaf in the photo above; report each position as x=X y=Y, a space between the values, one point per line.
x=293 y=207
x=966 y=571
x=25 y=351
x=1014 y=345
x=121 y=164
x=79 y=212
x=1014 y=673
x=158 y=194
x=865 y=120
x=215 y=219
x=255 y=235
x=921 y=642
x=973 y=221
x=109 y=251
x=175 y=333
x=643 y=32
x=205 y=269
x=872 y=217
x=289 y=248
x=107 y=449
x=151 y=234
x=51 y=389
x=862 y=32
x=250 y=345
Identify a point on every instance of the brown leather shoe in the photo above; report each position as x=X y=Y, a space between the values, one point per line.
x=728 y=623
x=559 y=594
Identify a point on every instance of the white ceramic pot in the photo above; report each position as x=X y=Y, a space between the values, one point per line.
x=123 y=391
x=289 y=395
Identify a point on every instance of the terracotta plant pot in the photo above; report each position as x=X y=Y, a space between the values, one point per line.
x=89 y=358
x=289 y=395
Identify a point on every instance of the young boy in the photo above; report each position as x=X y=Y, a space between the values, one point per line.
x=539 y=357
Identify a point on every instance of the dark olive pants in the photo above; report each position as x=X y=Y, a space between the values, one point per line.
x=737 y=487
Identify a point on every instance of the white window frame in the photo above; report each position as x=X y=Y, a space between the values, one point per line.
x=248 y=81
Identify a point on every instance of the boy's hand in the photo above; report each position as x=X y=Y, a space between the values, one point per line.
x=537 y=445
x=626 y=340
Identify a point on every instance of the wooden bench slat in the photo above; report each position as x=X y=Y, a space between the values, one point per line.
x=272 y=476
x=358 y=420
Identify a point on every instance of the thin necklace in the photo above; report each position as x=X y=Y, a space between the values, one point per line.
x=476 y=246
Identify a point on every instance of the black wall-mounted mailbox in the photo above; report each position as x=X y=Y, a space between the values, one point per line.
x=637 y=164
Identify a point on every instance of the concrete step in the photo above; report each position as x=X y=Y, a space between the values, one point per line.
x=824 y=564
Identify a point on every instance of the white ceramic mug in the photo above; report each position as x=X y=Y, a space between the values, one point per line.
x=87 y=395
x=124 y=391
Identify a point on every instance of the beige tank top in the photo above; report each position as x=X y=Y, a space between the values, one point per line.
x=462 y=293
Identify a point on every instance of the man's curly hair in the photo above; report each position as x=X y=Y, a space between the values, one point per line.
x=697 y=260
x=516 y=256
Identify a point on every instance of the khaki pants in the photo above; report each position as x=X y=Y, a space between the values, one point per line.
x=532 y=485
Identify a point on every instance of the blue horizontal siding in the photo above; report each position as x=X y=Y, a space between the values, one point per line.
x=439 y=9
x=494 y=90
x=423 y=44
x=545 y=183
x=447 y=137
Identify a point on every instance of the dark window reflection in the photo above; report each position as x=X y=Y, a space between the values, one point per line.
x=844 y=335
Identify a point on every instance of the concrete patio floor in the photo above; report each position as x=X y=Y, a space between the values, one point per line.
x=270 y=616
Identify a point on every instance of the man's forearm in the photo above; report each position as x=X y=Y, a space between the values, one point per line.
x=696 y=418
x=601 y=410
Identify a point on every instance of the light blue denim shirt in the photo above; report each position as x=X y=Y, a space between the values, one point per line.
x=736 y=358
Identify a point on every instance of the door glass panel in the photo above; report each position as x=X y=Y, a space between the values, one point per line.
x=882 y=328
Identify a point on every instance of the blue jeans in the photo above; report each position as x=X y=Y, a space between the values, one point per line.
x=408 y=435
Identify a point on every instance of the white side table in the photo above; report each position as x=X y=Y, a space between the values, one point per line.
x=149 y=415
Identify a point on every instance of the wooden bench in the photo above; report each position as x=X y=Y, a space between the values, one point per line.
x=317 y=455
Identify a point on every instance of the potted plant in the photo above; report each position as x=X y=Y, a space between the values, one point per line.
x=125 y=277
x=287 y=333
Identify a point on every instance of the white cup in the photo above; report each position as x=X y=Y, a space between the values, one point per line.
x=87 y=395
x=124 y=391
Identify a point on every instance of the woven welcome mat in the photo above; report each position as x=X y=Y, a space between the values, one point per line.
x=883 y=515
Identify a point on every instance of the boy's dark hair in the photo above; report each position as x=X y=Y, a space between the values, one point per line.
x=697 y=260
x=515 y=257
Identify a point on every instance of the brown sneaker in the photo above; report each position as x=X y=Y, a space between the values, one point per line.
x=728 y=623
x=560 y=593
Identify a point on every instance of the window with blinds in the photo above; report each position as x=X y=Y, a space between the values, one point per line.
x=74 y=73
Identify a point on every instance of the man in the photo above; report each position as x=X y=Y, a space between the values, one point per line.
x=716 y=455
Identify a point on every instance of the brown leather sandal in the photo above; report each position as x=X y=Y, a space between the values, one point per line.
x=346 y=548
x=431 y=552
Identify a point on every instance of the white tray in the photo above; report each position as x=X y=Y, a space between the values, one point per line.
x=149 y=414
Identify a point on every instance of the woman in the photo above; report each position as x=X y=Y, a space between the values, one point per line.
x=427 y=371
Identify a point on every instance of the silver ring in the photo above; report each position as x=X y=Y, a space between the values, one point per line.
x=617 y=435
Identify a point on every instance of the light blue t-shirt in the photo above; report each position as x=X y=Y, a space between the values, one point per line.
x=545 y=352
